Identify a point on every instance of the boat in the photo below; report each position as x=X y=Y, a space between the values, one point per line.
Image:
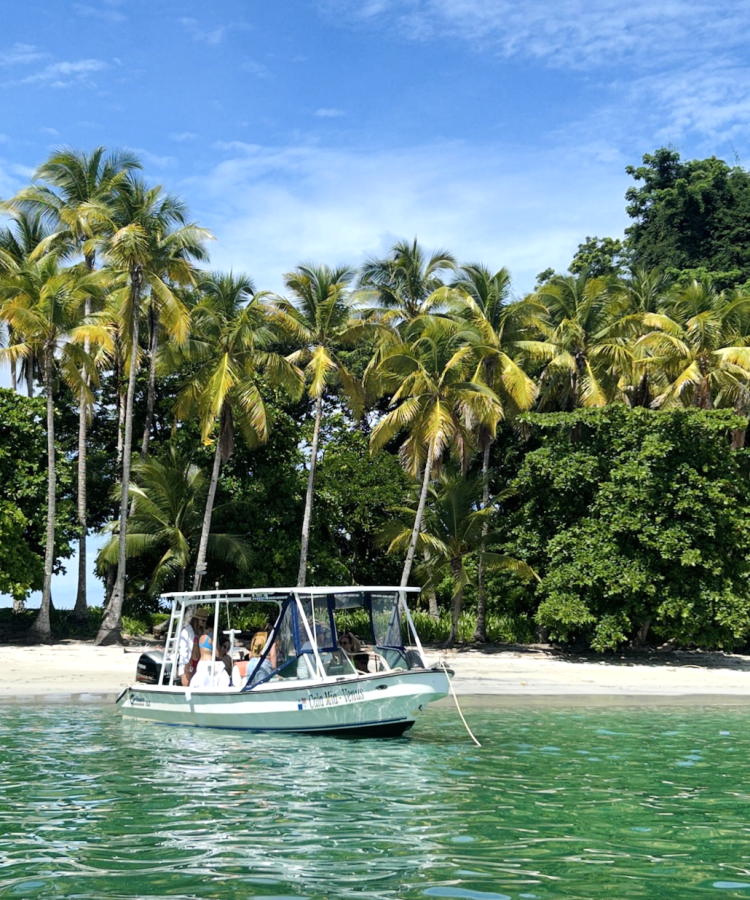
x=310 y=675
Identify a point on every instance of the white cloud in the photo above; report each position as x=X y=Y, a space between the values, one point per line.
x=255 y=68
x=21 y=54
x=110 y=15
x=326 y=113
x=65 y=74
x=271 y=208
x=568 y=33
x=184 y=136
x=212 y=37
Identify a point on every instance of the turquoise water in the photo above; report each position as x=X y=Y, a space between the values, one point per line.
x=558 y=803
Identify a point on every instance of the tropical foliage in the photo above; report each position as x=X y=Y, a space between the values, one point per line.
x=570 y=461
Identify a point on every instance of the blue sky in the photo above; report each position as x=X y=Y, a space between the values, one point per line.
x=326 y=129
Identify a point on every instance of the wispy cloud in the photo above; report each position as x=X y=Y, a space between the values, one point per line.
x=326 y=113
x=65 y=74
x=107 y=13
x=271 y=207
x=184 y=136
x=22 y=54
x=255 y=68
x=213 y=37
x=565 y=33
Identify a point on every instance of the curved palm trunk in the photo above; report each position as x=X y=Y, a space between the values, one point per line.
x=418 y=518
x=153 y=345
x=200 y=565
x=480 y=629
x=111 y=627
x=41 y=626
x=305 y=542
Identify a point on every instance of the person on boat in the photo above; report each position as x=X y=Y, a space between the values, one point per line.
x=188 y=652
x=209 y=673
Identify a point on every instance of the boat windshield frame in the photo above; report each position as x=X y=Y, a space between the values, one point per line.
x=280 y=597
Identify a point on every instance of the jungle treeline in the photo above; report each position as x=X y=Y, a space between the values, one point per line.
x=565 y=465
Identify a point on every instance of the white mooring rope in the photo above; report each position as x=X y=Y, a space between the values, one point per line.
x=450 y=685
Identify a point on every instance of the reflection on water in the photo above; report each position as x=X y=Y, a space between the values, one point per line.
x=636 y=803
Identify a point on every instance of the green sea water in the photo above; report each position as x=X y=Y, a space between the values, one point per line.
x=557 y=803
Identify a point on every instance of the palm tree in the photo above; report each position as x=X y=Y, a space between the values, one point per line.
x=151 y=241
x=167 y=498
x=43 y=303
x=500 y=324
x=701 y=349
x=26 y=232
x=436 y=392
x=404 y=284
x=73 y=194
x=320 y=321
x=454 y=532
x=229 y=352
x=581 y=348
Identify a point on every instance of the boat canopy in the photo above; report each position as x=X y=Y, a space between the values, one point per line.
x=304 y=641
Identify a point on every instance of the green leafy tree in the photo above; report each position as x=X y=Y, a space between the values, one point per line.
x=23 y=487
x=599 y=257
x=690 y=215
x=630 y=526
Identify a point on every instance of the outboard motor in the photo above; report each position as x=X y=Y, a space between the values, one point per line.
x=149 y=666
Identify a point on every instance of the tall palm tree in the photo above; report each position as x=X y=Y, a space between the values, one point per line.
x=453 y=530
x=321 y=321
x=152 y=242
x=168 y=498
x=701 y=349
x=25 y=234
x=435 y=394
x=73 y=193
x=43 y=303
x=484 y=297
x=581 y=348
x=229 y=352
x=405 y=282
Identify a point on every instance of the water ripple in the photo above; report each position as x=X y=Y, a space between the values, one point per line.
x=557 y=804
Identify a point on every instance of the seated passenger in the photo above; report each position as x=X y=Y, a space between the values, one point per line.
x=209 y=674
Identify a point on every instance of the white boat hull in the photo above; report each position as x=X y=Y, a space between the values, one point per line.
x=385 y=704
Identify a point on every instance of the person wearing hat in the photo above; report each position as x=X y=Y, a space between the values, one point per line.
x=188 y=652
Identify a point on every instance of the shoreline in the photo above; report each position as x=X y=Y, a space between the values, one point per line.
x=77 y=671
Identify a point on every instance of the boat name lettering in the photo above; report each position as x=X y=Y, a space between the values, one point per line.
x=139 y=700
x=332 y=698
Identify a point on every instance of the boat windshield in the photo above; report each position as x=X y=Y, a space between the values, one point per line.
x=307 y=639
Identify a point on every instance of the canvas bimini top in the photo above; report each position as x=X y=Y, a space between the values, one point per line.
x=304 y=641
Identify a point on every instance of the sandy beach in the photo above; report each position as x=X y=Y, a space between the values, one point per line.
x=75 y=669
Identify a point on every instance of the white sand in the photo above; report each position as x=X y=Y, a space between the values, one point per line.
x=78 y=669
